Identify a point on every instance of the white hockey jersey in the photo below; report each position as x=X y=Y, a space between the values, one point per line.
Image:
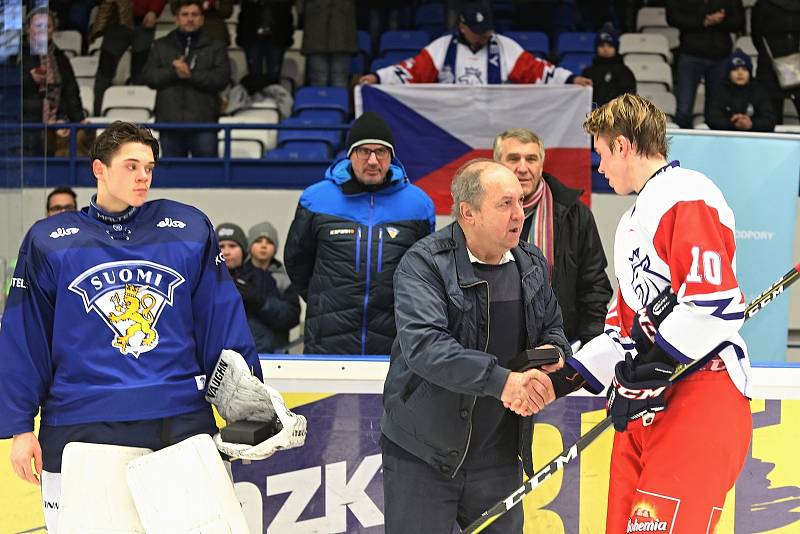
x=679 y=232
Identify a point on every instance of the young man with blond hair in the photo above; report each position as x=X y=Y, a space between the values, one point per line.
x=678 y=448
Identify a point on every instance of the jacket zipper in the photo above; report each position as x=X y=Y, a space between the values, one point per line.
x=367 y=281
x=380 y=249
x=475 y=398
x=358 y=250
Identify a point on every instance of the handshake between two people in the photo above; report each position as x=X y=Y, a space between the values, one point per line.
x=528 y=389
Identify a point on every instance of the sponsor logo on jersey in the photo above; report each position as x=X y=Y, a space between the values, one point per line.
x=61 y=232
x=19 y=283
x=653 y=513
x=343 y=231
x=220 y=259
x=646 y=283
x=129 y=296
x=171 y=223
x=392 y=231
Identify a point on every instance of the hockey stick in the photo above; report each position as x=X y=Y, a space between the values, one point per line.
x=570 y=453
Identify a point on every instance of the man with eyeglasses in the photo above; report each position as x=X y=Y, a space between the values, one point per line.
x=347 y=237
x=61 y=199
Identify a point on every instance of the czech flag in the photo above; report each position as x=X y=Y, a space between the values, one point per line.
x=438 y=127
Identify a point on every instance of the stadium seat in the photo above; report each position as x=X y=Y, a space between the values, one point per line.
x=576 y=62
x=232 y=28
x=745 y=43
x=331 y=137
x=534 y=42
x=297 y=40
x=322 y=98
x=581 y=42
x=672 y=34
x=790 y=113
x=294 y=68
x=123 y=69
x=70 y=41
x=431 y=18
x=327 y=116
x=162 y=29
x=649 y=17
x=87 y=98
x=380 y=63
x=664 y=100
x=396 y=56
x=402 y=41
x=238 y=64
x=94 y=46
x=265 y=137
x=234 y=13
x=635 y=57
x=242 y=148
x=645 y=43
x=301 y=151
x=364 y=43
x=657 y=72
x=128 y=97
x=84 y=67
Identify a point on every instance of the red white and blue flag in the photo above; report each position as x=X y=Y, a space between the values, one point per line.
x=438 y=127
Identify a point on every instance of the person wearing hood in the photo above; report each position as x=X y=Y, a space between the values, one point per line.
x=347 y=237
x=188 y=69
x=610 y=76
x=740 y=103
x=280 y=311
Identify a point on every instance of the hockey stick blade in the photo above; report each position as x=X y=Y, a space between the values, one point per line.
x=573 y=451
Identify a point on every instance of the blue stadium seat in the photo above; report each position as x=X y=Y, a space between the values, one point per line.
x=576 y=62
x=322 y=98
x=534 y=42
x=410 y=42
x=582 y=42
x=301 y=151
x=332 y=137
x=357 y=64
x=380 y=63
x=364 y=43
x=396 y=56
x=432 y=19
x=322 y=116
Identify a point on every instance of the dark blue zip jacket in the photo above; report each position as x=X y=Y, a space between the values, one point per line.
x=341 y=254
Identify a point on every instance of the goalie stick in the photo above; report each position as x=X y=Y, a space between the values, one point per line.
x=570 y=453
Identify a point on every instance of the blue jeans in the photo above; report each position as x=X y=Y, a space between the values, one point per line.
x=178 y=143
x=328 y=69
x=690 y=70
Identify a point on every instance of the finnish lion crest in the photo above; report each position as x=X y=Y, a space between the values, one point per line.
x=129 y=296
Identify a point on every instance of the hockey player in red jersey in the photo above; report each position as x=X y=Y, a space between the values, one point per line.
x=678 y=448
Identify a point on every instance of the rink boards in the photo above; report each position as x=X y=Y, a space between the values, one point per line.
x=334 y=483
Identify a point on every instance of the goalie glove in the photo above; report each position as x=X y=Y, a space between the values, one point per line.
x=236 y=393
x=637 y=391
x=291 y=434
x=647 y=321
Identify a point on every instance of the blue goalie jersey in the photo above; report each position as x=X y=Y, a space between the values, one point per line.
x=116 y=321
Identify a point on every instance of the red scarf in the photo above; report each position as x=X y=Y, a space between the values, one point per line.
x=541 y=230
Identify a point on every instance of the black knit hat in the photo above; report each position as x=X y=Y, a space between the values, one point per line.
x=232 y=232
x=369 y=128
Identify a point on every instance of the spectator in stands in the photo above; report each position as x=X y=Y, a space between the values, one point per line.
x=280 y=312
x=474 y=55
x=59 y=200
x=778 y=23
x=610 y=76
x=265 y=31
x=347 y=237
x=188 y=70
x=215 y=13
x=563 y=228
x=739 y=102
x=50 y=92
x=74 y=15
x=705 y=41
x=329 y=39
x=122 y=24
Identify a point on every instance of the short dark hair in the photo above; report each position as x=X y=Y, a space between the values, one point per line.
x=176 y=5
x=42 y=11
x=117 y=134
x=61 y=190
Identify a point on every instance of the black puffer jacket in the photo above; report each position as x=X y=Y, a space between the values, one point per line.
x=751 y=100
x=579 y=274
x=195 y=99
x=438 y=367
x=712 y=42
x=341 y=252
x=70 y=107
x=610 y=78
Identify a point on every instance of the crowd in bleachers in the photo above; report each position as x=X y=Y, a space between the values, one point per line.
x=279 y=50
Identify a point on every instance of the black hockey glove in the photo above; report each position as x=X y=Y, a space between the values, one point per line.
x=637 y=391
x=649 y=319
x=252 y=296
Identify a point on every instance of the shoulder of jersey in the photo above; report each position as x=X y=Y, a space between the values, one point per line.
x=678 y=185
x=58 y=227
x=171 y=214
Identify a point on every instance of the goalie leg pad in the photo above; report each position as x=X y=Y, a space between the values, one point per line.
x=184 y=489
x=94 y=490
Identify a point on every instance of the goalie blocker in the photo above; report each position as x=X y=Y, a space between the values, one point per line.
x=259 y=424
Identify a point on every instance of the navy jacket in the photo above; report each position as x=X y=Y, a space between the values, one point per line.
x=343 y=247
x=438 y=368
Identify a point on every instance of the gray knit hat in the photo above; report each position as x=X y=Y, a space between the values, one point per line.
x=263 y=229
x=232 y=232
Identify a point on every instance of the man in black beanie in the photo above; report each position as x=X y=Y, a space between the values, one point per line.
x=347 y=237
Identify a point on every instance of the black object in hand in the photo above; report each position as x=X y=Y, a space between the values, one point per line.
x=531 y=358
x=249 y=432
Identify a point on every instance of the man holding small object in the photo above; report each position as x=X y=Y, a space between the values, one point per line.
x=471 y=304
